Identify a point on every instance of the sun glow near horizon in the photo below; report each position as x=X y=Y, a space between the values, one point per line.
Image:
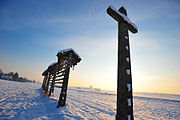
x=31 y=35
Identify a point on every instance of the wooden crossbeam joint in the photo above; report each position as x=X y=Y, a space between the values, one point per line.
x=119 y=16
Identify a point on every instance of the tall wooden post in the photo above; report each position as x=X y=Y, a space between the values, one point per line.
x=124 y=79
x=63 y=94
x=47 y=83
x=51 y=91
x=44 y=82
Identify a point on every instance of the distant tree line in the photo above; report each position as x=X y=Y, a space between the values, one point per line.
x=14 y=76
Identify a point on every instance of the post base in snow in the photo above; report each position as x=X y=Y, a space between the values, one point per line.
x=52 y=95
x=60 y=106
x=124 y=118
x=46 y=93
x=117 y=117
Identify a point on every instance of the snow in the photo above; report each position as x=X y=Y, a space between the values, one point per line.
x=127 y=59
x=128 y=71
x=52 y=64
x=129 y=101
x=129 y=117
x=69 y=49
x=25 y=101
x=129 y=87
x=125 y=18
x=127 y=47
x=126 y=37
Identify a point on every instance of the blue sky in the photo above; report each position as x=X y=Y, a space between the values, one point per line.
x=32 y=31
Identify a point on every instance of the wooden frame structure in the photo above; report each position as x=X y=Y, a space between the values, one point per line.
x=57 y=74
x=124 y=79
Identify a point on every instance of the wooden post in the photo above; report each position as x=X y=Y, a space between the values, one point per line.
x=47 y=83
x=124 y=79
x=44 y=82
x=51 y=91
x=63 y=94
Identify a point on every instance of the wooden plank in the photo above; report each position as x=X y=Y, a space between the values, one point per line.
x=115 y=14
x=60 y=75
x=59 y=82
x=61 y=72
x=59 y=79
x=58 y=86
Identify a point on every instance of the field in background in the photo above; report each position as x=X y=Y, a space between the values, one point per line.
x=26 y=101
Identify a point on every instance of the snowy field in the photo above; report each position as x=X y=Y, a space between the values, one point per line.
x=25 y=101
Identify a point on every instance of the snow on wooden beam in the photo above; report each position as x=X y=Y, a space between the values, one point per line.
x=67 y=50
x=120 y=17
x=52 y=64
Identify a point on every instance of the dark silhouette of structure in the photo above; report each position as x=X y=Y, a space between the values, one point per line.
x=124 y=79
x=57 y=74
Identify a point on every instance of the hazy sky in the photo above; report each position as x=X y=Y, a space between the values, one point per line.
x=32 y=31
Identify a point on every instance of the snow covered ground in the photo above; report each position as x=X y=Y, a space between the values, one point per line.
x=25 y=101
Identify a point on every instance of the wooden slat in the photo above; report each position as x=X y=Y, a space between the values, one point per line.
x=59 y=79
x=58 y=86
x=61 y=72
x=60 y=75
x=59 y=82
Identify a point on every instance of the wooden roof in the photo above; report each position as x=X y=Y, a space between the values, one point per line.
x=63 y=54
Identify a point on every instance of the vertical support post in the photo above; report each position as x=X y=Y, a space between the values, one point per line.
x=47 y=84
x=124 y=79
x=51 y=91
x=44 y=82
x=63 y=94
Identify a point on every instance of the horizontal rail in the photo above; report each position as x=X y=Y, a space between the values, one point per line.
x=59 y=82
x=60 y=75
x=61 y=72
x=58 y=86
x=59 y=79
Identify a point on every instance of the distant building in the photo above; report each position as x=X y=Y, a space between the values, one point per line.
x=7 y=77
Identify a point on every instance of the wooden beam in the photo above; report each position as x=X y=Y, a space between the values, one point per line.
x=120 y=17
